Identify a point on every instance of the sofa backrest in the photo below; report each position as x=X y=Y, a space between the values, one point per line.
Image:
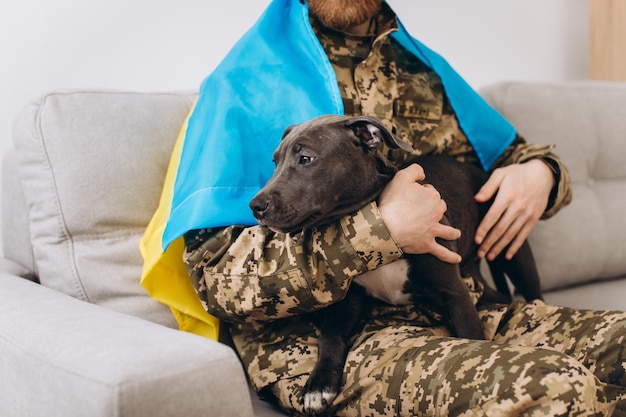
x=587 y=122
x=91 y=165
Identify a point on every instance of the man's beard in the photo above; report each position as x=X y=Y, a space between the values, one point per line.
x=344 y=14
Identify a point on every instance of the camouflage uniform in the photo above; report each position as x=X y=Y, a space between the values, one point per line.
x=538 y=360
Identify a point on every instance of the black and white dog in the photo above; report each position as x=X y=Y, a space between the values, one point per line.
x=331 y=166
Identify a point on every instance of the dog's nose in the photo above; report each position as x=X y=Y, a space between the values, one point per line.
x=259 y=206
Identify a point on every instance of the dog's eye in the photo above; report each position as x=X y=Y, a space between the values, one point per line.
x=305 y=159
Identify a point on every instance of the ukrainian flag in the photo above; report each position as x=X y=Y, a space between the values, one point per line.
x=276 y=75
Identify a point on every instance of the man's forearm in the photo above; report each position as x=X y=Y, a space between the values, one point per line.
x=253 y=274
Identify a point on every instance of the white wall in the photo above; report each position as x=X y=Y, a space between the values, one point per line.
x=164 y=44
x=149 y=45
x=491 y=40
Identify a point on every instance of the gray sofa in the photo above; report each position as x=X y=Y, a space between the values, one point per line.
x=80 y=337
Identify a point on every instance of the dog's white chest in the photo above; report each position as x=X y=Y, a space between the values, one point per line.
x=387 y=282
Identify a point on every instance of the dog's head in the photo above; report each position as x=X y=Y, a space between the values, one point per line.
x=325 y=168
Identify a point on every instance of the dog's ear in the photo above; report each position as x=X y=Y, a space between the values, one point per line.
x=373 y=133
x=287 y=130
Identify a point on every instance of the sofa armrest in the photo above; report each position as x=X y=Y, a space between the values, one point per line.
x=64 y=357
x=9 y=267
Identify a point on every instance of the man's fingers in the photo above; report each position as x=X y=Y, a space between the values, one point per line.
x=519 y=240
x=485 y=232
x=487 y=192
x=521 y=194
x=446 y=232
x=446 y=255
x=489 y=188
x=501 y=236
x=413 y=173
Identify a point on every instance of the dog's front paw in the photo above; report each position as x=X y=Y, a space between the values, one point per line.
x=316 y=402
x=320 y=391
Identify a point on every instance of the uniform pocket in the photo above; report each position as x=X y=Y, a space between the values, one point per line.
x=412 y=109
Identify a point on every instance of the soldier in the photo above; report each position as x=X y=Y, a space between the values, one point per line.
x=538 y=359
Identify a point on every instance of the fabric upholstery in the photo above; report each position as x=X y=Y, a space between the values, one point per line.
x=587 y=122
x=68 y=358
x=15 y=228
x=92 y=166
x=86 y=180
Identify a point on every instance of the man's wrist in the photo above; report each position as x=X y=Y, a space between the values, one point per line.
x=554 y=168
x=370 y=238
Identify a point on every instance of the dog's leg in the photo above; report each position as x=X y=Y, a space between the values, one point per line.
x=522 y=270
x=502 y=295
x=445 y=281
x=337 y=325
x=463 y=315
x=499 y=279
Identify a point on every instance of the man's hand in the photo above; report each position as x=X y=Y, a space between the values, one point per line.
x=412 y=213
x=522 y=192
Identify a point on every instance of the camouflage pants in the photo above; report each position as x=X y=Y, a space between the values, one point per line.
x=541 y=361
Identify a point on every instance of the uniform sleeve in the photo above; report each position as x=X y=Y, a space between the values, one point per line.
x=251 y=274
x=520 y=152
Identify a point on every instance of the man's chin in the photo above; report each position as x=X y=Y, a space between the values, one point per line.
x=341 y=14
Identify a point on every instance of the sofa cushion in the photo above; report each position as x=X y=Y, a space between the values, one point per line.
x=66 y=358
x=92 y=166
x=586 y=121
x=601 y=295
x=15 y=228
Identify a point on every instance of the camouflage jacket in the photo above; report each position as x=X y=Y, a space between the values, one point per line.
x=265 y=283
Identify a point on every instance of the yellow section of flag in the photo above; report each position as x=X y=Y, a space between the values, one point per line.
x=164 y=275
